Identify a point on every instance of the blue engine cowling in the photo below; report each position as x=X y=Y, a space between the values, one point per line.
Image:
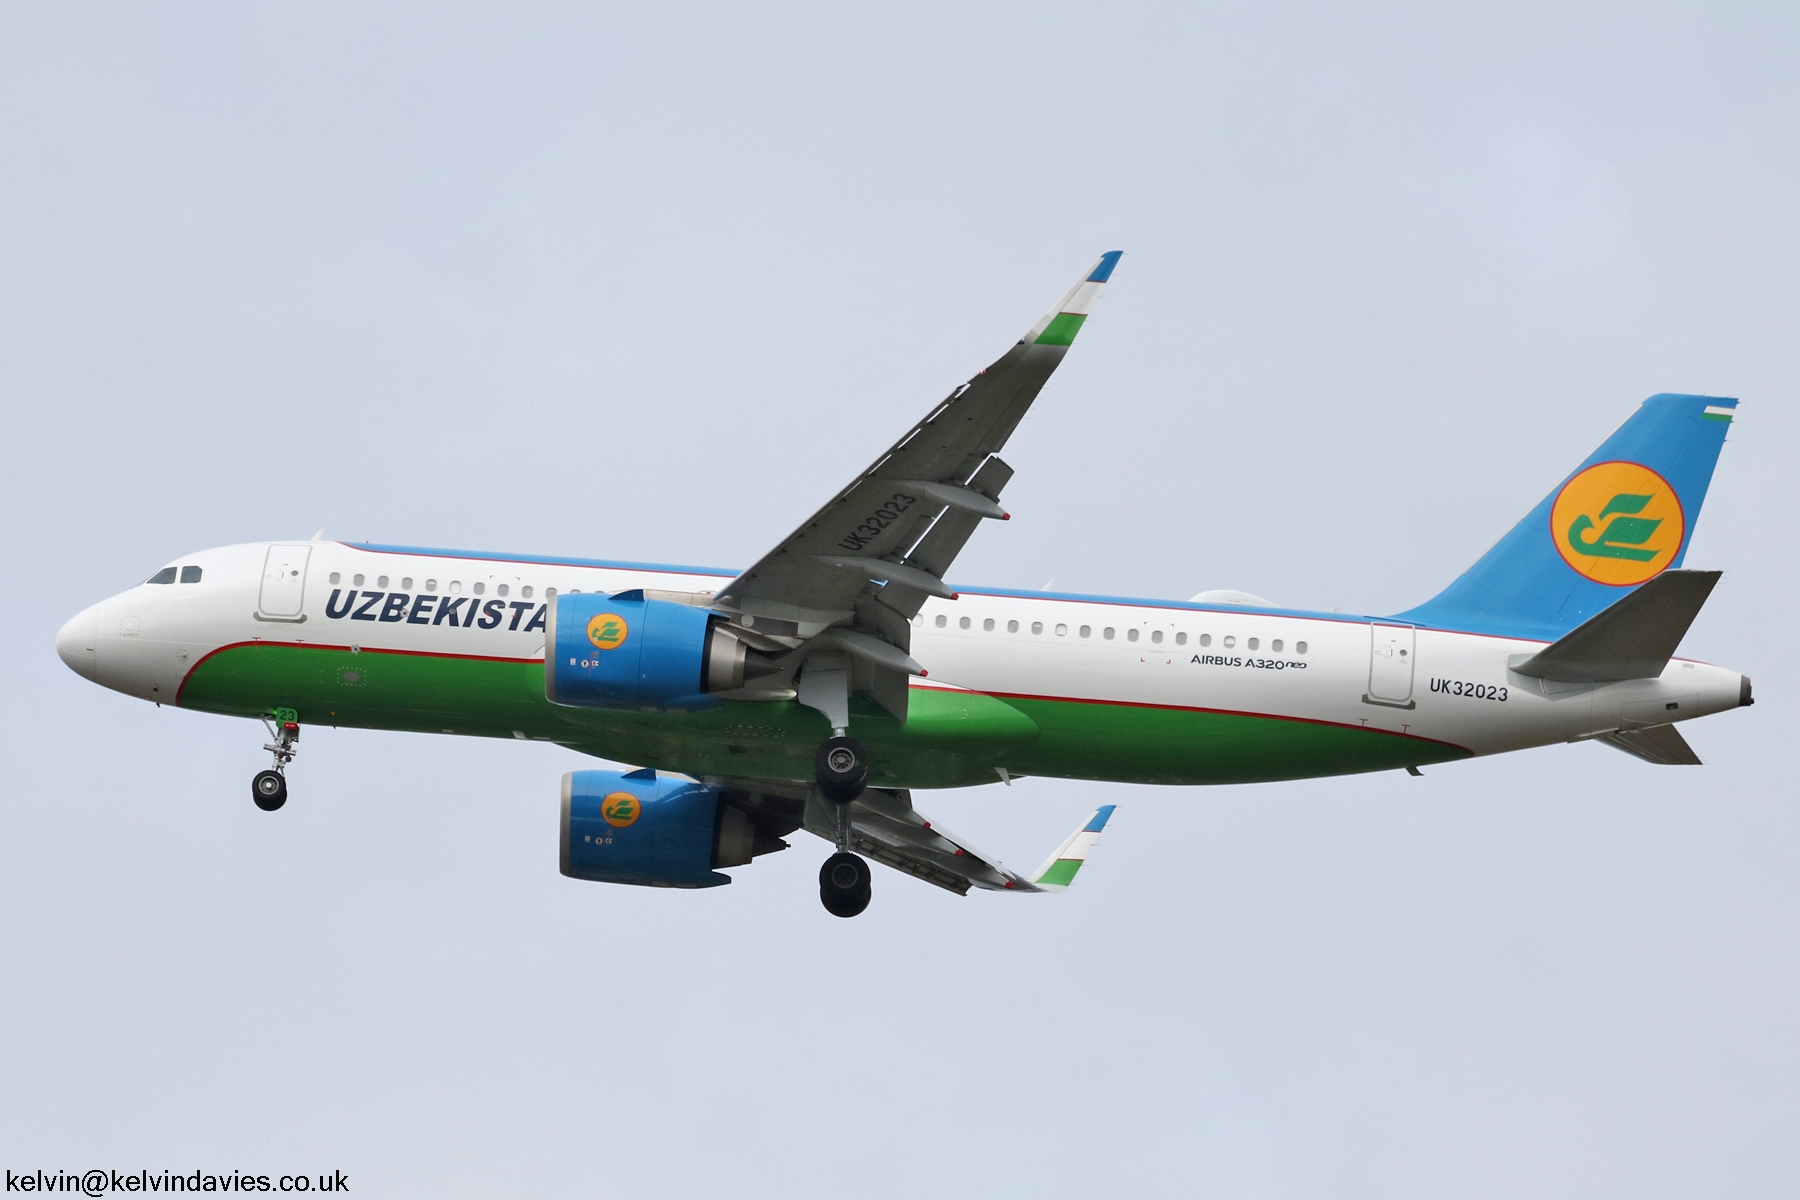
x=632 y=827
x=628 y=652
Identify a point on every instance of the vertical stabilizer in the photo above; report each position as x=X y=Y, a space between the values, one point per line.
x=1623 y=517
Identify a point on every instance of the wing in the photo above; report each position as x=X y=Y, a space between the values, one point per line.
x=884 y=826
x=862 y=566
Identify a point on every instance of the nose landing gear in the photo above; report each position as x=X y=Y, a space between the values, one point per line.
x=841 y=769
x=269 y=788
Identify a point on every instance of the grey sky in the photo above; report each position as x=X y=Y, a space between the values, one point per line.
x=650 y=283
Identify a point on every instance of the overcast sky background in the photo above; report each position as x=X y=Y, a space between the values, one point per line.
x=651 y=282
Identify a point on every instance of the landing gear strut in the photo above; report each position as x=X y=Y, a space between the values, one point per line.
x=269 y=788
x=841 y=770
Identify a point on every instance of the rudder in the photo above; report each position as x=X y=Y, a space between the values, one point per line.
x=1624 y=516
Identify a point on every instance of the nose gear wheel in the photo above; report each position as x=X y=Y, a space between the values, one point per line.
x=269 y=788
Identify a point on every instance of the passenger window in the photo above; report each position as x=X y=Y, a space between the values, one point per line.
x=1107 y=633
x=1230 y=642
x=1253 y=643
x=962 y=623
x=406 y=584
x=919 y=620
x=1299 y=647
x=356 y=581
x=941 y=621
x=1181 y=639
x=456 y=587
x=431 y=585
x=334 y=578
x=166 y=575
x=1087 y=631
x=549 y=593
x=1037 y=627
x=1062 y=631
x=1206 y=639
x=1275 y=645
x=525 y=591
x=479 y=588
x=988 y=624
x=1012 y=627
x=501 y=589
x=1156 y=636
x=1131 y=635
x=190 y=574
x=381 y=581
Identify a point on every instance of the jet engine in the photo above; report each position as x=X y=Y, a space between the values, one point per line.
x=627 y=651
x=632 y=827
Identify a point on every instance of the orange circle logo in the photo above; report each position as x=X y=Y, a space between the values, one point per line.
x=621 y=809
x=607 y=631
x=1617 y=523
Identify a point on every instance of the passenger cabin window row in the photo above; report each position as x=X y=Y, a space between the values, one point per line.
x=431 y=585
x=1110 y=633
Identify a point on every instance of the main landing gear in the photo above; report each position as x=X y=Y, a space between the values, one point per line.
x=269 y=788
x=841 y=770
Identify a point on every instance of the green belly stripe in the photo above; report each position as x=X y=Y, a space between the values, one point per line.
x=950 y=739
x=1143 y=744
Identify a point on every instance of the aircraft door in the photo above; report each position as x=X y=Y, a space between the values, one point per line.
x=1390 y=665
x=284 y=583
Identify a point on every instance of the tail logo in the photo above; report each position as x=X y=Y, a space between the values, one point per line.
x=1617 y=523
x=607 y=631
x=621 y=809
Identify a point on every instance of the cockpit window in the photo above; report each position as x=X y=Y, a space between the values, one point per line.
x=166 y=575
x=190 y=574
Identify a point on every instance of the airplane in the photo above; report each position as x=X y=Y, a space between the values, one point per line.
x=819 y=688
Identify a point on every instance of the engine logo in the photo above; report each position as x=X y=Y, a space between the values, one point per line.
x=1617 y=523
x=607 y=631
x=621 y=809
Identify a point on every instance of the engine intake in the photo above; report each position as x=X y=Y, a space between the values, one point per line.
x=628 y=651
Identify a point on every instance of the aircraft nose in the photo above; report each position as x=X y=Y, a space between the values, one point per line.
x=76 y=640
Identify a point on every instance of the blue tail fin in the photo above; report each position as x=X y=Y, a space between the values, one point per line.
x=1624 y=516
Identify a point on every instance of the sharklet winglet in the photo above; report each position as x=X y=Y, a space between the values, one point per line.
x=1059 y=869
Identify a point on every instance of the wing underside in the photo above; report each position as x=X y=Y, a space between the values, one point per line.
x=885 y=827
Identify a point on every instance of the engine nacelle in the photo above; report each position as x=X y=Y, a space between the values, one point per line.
x=629 y=652
x=632 y=827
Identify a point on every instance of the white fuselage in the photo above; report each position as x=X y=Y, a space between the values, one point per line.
x=1449 y=687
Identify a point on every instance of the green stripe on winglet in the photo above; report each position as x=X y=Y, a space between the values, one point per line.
x=1061 y=872
x=1703 y=416
x=1062 y=329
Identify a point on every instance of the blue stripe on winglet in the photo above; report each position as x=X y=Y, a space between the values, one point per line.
x=1104 y=271
x=1105 y=811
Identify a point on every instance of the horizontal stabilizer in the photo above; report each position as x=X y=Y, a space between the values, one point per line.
x=1634 y=639
x=1659 y=744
